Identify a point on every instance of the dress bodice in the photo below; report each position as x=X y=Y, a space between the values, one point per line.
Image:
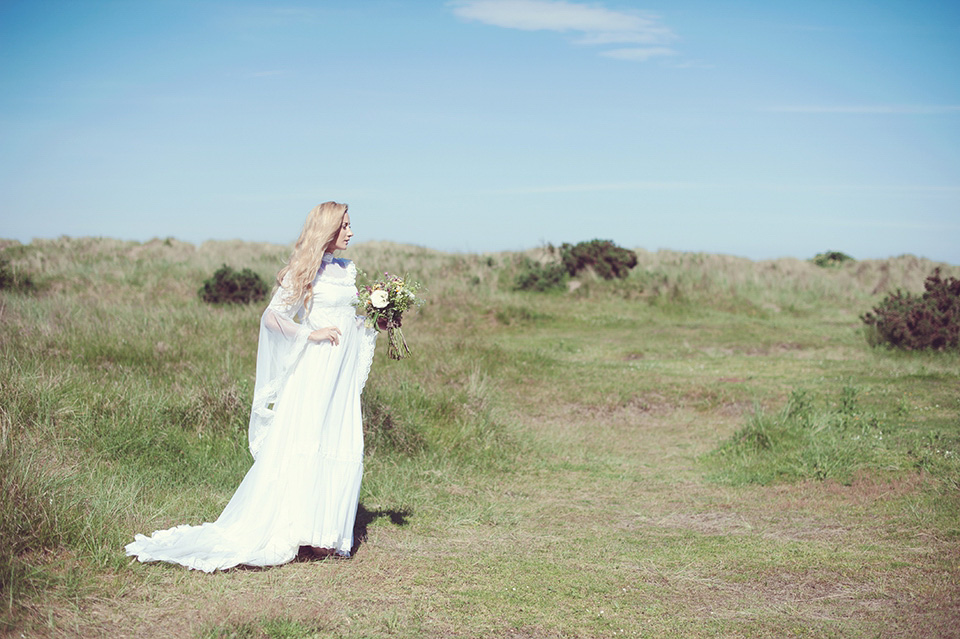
x=334 y=294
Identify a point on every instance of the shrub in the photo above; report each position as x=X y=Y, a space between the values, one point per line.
x=534 y=276
x=831 y=258
x=606 y=258
x=231 y=287
x=912 y=322
x=13 y=279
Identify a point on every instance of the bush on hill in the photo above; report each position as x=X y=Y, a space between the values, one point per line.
x=912 y=322
x=534 y=276
x=831 y=258
x=14 y=279
x=228 y=286
x=606 y=258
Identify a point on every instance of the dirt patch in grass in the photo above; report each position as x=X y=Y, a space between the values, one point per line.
x=711 y=523
x=810 y=511
x=178 y=603
x=629 y=410
x=864 y=490
x=776 y=349
x=757 y=524
x=735 y=409
x=822 y=601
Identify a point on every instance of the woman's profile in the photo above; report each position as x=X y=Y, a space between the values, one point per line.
x=306 y=434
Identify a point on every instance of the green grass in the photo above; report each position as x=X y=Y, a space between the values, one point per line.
x=837 y=438
x=706 y=448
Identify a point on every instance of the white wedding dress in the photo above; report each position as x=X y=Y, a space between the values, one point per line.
x=306 y=437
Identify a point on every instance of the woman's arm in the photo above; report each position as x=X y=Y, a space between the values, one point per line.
x=331 y=333
x=280 y=323
x=279 y=320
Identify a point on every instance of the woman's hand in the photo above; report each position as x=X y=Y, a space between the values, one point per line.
x=331 y=333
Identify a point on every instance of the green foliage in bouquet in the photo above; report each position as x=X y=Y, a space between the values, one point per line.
x=228 y=286
x=831 y=258
x=917 y=322
x=606 y=258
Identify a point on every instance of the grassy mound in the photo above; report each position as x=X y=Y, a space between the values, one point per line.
x=582 y=442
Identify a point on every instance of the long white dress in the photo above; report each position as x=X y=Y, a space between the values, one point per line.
x=306 y=437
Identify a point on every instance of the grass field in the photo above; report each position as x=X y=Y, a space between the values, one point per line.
x=708 y=448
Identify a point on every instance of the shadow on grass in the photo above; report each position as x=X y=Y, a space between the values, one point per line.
x=366 y=517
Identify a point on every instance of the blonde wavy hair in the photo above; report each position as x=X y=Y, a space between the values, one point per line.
x=319 y=232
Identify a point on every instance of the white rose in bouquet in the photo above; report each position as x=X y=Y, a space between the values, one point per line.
x=379 y=299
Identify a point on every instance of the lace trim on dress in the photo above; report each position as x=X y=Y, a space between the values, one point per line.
x=345 y=275
x=368 y=344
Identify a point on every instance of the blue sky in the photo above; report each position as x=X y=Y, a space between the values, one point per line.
x=761 y=129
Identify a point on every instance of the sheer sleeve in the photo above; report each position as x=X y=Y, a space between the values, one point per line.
x=281 y=344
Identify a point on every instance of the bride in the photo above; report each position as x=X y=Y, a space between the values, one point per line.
x=306 y=435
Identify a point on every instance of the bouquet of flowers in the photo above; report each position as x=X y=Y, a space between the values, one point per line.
x=384 y=303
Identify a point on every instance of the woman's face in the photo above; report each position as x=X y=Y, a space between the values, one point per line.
x=343 y=237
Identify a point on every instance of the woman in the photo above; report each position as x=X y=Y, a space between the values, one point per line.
x=305 y=434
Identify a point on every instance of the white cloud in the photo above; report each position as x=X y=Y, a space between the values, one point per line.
x=593 y=24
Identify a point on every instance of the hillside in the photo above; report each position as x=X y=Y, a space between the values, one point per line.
x=708 y=447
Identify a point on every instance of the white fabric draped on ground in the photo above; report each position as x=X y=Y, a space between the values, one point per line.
x=306 y=437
